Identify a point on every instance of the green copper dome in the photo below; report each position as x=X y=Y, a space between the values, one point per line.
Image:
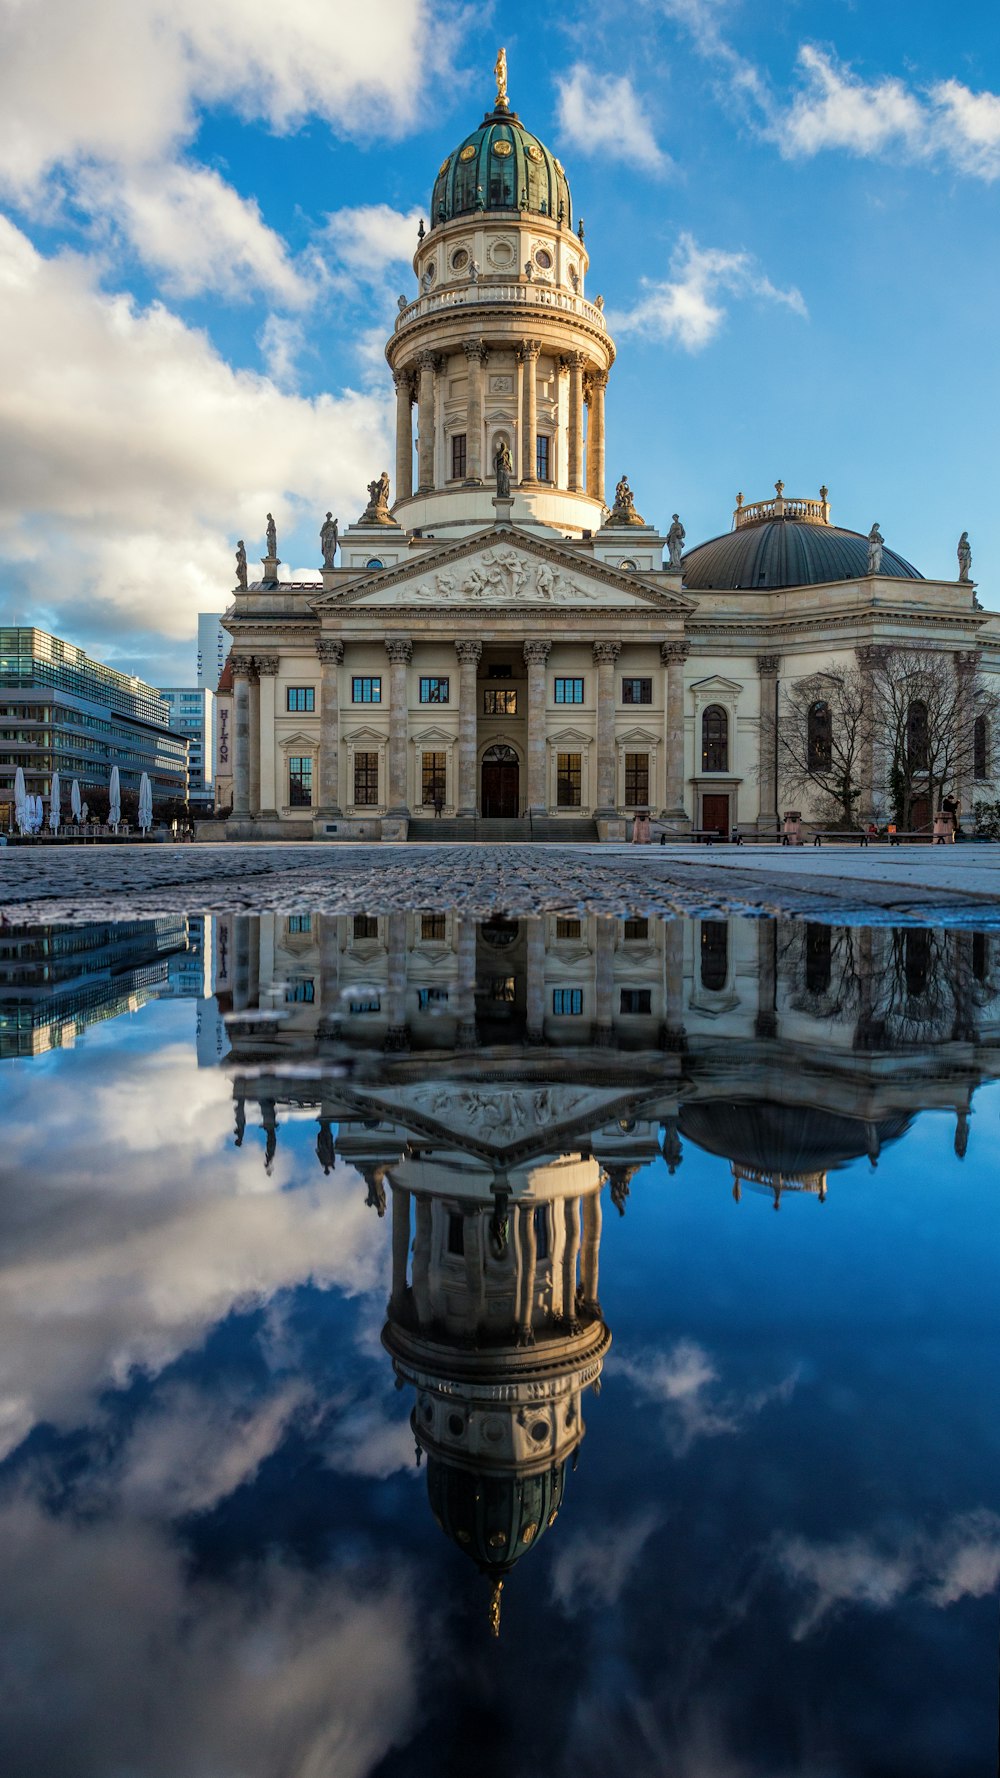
x=501 y=166
x=495 y=1519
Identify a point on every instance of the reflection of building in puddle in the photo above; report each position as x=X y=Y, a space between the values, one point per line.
x=488 y=1082
x=56 y=980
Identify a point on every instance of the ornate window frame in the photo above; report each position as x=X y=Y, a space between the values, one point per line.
x=299 y=746
x=366 y=740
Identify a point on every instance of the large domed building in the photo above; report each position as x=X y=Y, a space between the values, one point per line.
x=504 y=638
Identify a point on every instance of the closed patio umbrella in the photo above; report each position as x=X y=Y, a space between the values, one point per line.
x=115 y=798
x=145 y=803
x=76 y=807
x=54 y=811
x=20 y=798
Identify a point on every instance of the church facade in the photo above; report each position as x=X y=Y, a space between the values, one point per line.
x=502 y=643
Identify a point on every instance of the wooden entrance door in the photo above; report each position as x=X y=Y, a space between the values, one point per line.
x=715 y=812
x=501 y=786
x=920 y=813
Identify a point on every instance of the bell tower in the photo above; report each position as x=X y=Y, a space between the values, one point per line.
x=500 y=346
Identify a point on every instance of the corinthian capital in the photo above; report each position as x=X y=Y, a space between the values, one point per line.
x=475 y=351
x=536 y=653
x=331 y=653
x=674 y=651
x=403 y=380
x=469 y=651
x=241 y=664
x=267 y=664
x=768 y=663
x=398 y=650
x=529 y=349
x=606 y=653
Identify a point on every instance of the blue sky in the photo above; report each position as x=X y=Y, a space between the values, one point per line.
x=208 y=212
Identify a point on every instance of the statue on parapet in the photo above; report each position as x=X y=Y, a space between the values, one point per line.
x=675 y=541
x=272 y=539
x=328 y=537
x=624 y=499
x=964 y=557
x=378 y=493
x=876 y=544
x=503 y=466
x=241 y=565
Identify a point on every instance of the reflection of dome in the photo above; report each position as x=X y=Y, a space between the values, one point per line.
x=501 y=166
x=790 y=1140
x=780 y=543
x=494 y=1518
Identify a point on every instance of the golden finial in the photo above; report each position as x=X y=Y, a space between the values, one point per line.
x=498 y=1585
x=500 y=70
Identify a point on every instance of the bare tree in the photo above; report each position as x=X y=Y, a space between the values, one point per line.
x=824 y=731
x=924 y=707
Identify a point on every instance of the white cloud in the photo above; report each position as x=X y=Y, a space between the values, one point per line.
x=133 y=449
x=603 y=114
x=684 y=1381
x=836 y=108
x=962 y=1561
x=592 y=1568
x=685 y=308
x=365 y=241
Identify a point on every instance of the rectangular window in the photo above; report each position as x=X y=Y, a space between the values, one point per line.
x=456 y=1233
x=567 y=928
x=366 y=778
x=434 y=926
x=359 y=1006
x=300 y=923
x=432 y=780
x=503 y=988
x=366 y=691
x=542 y=457
x=637 y=691
x=567 y=1002
x=541 y=1231
x=569 y=780
x=499 y=703
x=428 y=997
x=636 y=1000
x=301 y=991
x=458 y=457
x=300 y=782
x=635 y=929
x=636 y=780
x=569 y=691
x=365 y=926
x=300 y=698
x=434 y=691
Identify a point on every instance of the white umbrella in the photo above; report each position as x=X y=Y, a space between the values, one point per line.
x=37 y=815
x=76 y=807
x=20 y=798
x=114 y=798
x=54 y=810
x=145 y=803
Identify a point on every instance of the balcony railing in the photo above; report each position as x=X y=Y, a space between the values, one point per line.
x=757 y=512
x=536 y=296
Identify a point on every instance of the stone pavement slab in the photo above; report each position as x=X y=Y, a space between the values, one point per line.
x=944 y=885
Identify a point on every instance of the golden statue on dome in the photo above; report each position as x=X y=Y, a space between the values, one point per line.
x=500 y=71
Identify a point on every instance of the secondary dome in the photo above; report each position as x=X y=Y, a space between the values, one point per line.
x=783 y=543
x=501 y=166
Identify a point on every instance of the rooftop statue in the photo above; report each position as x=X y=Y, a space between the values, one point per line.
x=500 y=70
x=964 y=557
x=272 y=538
x=675 y=542
x=378 y=492
x=624 y=501
x=328 y=536
x=503 y=465
x=241 y=565
x=876 y=544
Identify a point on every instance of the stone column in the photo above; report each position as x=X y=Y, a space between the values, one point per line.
x=535 y=987
x=465 y=999
x=867 y=659
x=403 y=380
x=469 y=654
x=767 y=819
x=422 y=1261
x=673 y=655
x=267 y=669
x=966 y=663
x=475 y=357
x=527 y=355
x=397 y=1036
x=241 y=664
x=254 y=740
x=529 y=1261
x=329 y=976
x=598 y=382
x=592 y=1220
x=331 y=659
x=571 y=1252
x=604 y=983
x=425 y=422
x=400 y=654
x=767 y=978
x=400 y=1249
x=475 y=1270
x=672 y=1036
x=576 y=362
x=535 y=656
x=605 y=656
x=241 y=962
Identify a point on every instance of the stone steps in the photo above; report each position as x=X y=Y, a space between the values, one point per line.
x=543 y=830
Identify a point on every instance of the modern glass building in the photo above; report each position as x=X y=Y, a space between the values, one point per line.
x=61 y=711
x=191 y=716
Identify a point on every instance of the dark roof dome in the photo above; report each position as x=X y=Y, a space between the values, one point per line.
x=501 y=166
x=785 y=543
x=793 y=1140
x=494 y=1518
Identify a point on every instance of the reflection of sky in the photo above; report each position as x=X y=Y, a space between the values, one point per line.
x=778 y=1555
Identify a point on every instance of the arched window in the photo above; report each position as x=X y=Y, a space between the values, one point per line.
x=715 y=740
x=714 y=954
x=819 y=957
x=980 y=749
x=820 y=737
x=916 y=735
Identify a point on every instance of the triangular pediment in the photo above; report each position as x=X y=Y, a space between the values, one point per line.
x=507 y=569
x=716 y=685
x=364 y=733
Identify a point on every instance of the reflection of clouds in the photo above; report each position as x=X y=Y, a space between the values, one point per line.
x=367 y=1442
x=593 y=1567
x=962 y=1561
x=129 y=1227
x=193 y=1448
x=116 y=1662
x=683 y=1381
